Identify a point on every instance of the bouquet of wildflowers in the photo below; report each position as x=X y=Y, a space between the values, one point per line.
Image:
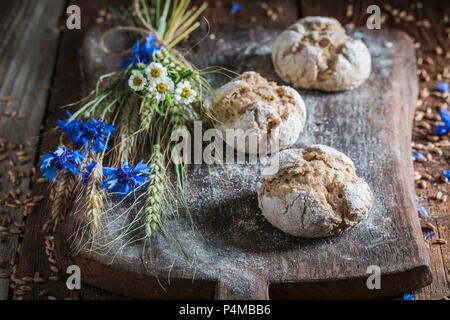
x=120 y=136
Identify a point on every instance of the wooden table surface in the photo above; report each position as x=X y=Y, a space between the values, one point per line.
x=40 y=72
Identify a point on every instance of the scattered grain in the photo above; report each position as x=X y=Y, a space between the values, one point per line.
x=440 y=241
x=422 y=184
x=54 y=269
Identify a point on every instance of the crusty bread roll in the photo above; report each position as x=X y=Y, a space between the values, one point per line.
x=314 y=192
x=315 y=53
x=270 y=116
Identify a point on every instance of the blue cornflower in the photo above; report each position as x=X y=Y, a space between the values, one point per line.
x=70 y=127
x=428 y=234
x=445 y=128
x=235 y=7
x=442 y=87
x=62 y=158
x=87 y=170
x=446 y=174
x=409 y=296
x=441 y=130
x=423 y=213
x=142 y=53
x=92 y=134
x=125 y=179
x=417 y=155
x=445 y=116
x=150 y=46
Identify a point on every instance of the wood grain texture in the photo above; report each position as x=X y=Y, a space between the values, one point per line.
x=28 y=46
x=66 y=89
x=237 y=252
x=253 y=14
x=428 y=38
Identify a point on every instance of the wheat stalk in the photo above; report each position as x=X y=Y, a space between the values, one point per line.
x=60 y=193
x=177 y=119
x=155 y=191
x=94 y=197
x=133 y=130
x=128 y=124
x=124 y=147
x=147 y=113
x=170 y=26
x=173 y=60
x=178 y=122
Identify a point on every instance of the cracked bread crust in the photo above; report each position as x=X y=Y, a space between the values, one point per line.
x=273 y=115
x=315 y=193
x=315 y=53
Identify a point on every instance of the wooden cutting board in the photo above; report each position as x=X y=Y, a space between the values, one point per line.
x=236 y=254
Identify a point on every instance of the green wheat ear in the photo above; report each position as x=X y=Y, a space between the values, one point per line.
x=155 y=192
x=147 y=113
x=169 y=61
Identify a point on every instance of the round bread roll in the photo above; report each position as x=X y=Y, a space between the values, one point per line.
x=314 y=192
x=270 y=117
x=315 y=53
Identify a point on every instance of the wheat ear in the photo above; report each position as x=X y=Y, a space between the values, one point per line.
x=168 y=60
x=156 y=189
x=129 y=126
x=178 y=123
x=60 y=193
x=124 y=146
x=147 y=113
x=94 y=198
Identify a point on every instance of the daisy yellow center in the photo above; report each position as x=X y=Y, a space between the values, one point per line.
x=186 y=92
x=156 y=72
x=137 y=81
x=161 y=88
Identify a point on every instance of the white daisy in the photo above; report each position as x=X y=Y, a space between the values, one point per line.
x=155 y=71
x=161 y=87
x=184 y=93
x=137 y=81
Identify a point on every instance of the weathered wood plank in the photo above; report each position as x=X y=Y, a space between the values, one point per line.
x=66 y=89
x=27 y=54
x=430 y=39
x=444 y=232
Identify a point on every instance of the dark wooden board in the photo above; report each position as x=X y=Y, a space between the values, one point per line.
x=237 y=253
x=32 y=257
